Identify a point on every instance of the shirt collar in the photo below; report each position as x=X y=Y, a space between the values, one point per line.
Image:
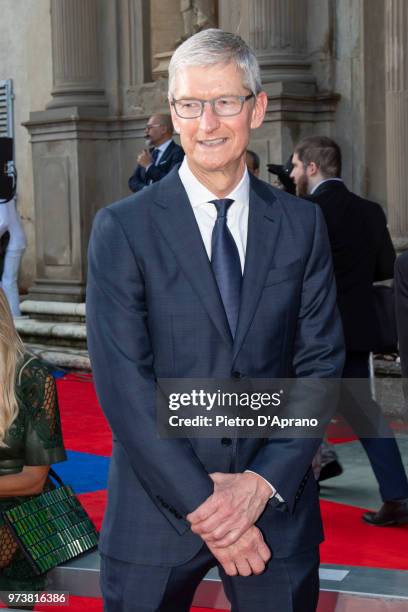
x=325 y=181
x=199 y=194
x=163 y=145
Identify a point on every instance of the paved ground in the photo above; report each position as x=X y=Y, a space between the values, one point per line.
x=357 y=485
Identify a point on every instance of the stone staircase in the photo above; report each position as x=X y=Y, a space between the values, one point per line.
x=55 y=331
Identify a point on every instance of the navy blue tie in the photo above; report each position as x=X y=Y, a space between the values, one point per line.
x=226 y=264
x=155 y=155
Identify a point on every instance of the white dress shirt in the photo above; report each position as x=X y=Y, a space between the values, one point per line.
x=161 y=148
x=206 y=214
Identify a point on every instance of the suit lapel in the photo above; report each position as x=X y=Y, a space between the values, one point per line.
x=166 y=153
x=263 y=227
x=176 y=221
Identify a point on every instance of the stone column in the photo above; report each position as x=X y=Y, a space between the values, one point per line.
x=277 y=32
x=396 y=72
x=76 y=54
x=71 y=149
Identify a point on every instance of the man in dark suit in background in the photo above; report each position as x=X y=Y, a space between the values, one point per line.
x=161 y=156
x=167 y=298
x=362 y=254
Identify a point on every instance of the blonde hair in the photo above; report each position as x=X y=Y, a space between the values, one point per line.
x=11 y=353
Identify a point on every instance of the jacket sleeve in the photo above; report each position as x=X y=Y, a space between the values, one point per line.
x=318 y=354
x=155 y=173
x=384 y=268
x=137 y=181
x=122 y=363
x=401 y=305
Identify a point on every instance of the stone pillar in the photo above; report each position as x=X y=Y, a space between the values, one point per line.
x=277 y=31
x=71 y=150
x=396 y=71
x=76 y=54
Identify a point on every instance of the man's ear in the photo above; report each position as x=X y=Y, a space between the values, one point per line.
x=259 y=110
x=312 y=169
x=175 y=119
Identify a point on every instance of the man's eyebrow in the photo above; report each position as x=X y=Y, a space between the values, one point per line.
x=223 y=95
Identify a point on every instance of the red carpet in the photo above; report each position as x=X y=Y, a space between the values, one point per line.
x=90 y=604
x=349 y=541
x=84 y=425
x=94 y=503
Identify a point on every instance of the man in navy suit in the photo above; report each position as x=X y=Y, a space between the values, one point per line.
x=213 y=274
x=163 y=153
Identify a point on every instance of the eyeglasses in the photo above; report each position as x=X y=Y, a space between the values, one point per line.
x=224 y=106
x=149 y=127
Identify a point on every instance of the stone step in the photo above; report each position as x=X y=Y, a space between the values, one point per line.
x=52 y=333
x=60 y=357
x=53 y=311
x=346 y=588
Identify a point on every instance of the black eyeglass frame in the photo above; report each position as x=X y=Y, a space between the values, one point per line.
x=212 y=102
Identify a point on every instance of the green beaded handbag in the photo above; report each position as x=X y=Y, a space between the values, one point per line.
x=52 y=528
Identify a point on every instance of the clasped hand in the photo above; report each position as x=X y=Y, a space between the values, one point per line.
x=225 y=521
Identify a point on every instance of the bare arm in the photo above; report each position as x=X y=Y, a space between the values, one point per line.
x=30 y=481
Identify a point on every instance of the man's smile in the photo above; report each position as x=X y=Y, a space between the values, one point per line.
x=212 y=142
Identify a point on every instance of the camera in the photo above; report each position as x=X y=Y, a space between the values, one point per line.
x=283 y=171
x=8 y=175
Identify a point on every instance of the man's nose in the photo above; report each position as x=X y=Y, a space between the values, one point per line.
x=209 y=120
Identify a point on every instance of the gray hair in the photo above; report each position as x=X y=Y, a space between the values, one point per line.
x=214 y=46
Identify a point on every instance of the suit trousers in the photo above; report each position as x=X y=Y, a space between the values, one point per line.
x=287 y=585
x=364 y=414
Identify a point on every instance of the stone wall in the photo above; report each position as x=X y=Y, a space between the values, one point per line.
x=323 y=65
x=25 y=57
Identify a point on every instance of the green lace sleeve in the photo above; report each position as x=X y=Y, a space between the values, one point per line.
x=43 y=436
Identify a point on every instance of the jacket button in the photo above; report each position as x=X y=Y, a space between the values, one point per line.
x=226 y=441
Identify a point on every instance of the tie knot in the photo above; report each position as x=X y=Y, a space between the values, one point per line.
x=222 y=206
x=155 y=154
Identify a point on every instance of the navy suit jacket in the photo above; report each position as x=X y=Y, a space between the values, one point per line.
x=141 y=177
x=154 y=311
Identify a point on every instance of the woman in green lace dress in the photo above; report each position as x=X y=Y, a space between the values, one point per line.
x=30 y=441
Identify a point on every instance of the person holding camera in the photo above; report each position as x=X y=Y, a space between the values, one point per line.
x=363 y=254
